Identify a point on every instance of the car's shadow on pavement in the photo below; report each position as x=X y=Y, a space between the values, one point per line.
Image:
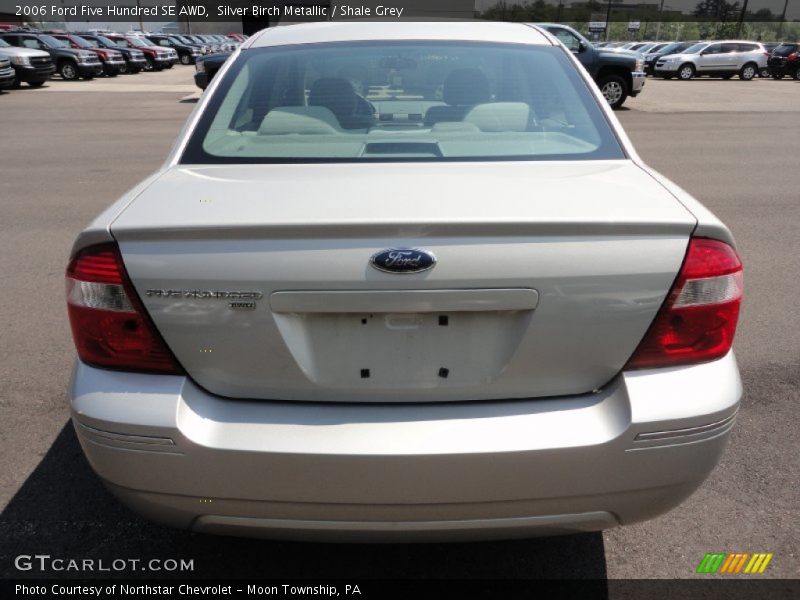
x=63 y=510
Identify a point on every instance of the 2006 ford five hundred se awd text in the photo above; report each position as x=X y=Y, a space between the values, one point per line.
x=404 y=281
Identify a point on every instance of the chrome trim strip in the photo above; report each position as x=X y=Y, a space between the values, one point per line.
x=576 y=522
x=390 y=301
x=673 y=433
x=124 y=437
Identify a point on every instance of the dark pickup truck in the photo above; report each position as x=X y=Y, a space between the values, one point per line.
x=113 y=61
x=618 y=73
x=134 y=59
x=207 y=66
x=187 y=54
x=7 y=76
x=70 y=63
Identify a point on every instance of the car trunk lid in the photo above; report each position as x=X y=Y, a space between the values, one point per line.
x=547 y=276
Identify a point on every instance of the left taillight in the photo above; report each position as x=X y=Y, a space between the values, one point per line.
x=109 y=324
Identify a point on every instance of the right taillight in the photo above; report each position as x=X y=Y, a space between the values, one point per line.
x=697 y=322
x=109 y=323
x=792 y=57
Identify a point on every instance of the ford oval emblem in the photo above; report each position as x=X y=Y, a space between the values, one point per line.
x=403 y=260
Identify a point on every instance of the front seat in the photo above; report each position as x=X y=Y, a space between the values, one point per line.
x=463 y=89
x=338 y=95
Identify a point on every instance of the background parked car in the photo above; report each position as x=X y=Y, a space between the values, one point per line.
x=207 y=66
x=210 y=47
x=715 y=59
x=70 y=63
x=226 y=44
x=113 y=61
x=157 y=57
x=33 y=67
x=665 y=50
x=187 y=55
x=642 y=47
x=785 y=60
x=213 y=44
x=618 y=74
x=134 y=59
x=7 y=77
x=203 y=48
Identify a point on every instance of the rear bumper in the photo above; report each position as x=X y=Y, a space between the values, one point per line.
x=789 y=68
x=448 y=471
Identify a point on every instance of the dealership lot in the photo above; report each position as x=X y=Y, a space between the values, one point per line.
x=73 y=147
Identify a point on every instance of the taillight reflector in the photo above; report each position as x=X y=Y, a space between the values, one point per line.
x=109 y=325
x=697 y=322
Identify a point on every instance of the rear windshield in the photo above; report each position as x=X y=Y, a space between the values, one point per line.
x=785 y=49
x=395 y=101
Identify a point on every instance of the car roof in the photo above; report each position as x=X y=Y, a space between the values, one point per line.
x=475 y=31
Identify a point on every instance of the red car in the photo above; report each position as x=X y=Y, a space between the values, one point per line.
x=157 y=56
x=113 y=60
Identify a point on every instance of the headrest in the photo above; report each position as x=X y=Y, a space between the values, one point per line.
x=282 y=120
x=334 y=93
x=500 y=116
x=466 y=87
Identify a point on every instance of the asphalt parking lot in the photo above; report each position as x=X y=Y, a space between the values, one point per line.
x=72 y=148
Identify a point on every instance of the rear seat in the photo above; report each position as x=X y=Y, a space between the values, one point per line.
x=500 y=116
x=304 y=120
x=462 y=90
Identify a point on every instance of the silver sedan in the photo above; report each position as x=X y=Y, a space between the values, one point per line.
x=403 y=281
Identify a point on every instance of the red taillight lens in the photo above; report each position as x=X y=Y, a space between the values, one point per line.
x=792 y=57
x=109 y=324
x=698 y=320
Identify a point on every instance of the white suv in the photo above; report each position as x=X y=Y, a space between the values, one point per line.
x=717 y=59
